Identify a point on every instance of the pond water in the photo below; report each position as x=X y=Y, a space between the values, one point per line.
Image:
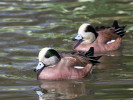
x=26 y=26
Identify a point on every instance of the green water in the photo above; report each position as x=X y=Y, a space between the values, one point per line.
x=26 y=26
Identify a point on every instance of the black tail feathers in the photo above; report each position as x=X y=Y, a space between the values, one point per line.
x=95 y=58
x=89 y=53
x=94 y=62
x=119 y=30
x=115 y=24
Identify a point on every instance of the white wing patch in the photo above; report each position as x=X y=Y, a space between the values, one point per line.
x=78 y=67
x=110 y=41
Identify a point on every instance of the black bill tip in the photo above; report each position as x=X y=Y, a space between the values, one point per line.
x=35 y=70
x=73 y=39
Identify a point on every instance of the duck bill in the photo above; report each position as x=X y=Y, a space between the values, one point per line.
x=77 y=43
x=73 y=39
x=78 y=37
x=35 y=69
x=39 y=66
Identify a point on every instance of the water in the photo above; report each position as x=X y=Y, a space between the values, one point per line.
x=26 y=26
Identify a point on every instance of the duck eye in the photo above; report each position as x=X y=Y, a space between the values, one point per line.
x=47 y=56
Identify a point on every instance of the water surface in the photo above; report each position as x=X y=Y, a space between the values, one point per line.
x=26 y=26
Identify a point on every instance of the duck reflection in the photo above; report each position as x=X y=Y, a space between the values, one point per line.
x=66 y=89
x=109 y=59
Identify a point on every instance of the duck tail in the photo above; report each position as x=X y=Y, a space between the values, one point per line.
x=95 y=58
x=119 y=30
x=94 y=62
x=89 y=53
x=115 y=24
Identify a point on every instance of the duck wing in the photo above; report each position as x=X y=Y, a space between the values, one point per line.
x=118 y=30
x=87 y=57
x=67 y=53
x=82 y=58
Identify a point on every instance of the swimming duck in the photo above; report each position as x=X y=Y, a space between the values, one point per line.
x=101 y=38
x=52 y=66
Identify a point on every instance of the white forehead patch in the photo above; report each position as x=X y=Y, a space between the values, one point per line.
x=42 y=53
x=78 y=37
x=82 y=28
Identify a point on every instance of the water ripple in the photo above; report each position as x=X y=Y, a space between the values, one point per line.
x=26 y=26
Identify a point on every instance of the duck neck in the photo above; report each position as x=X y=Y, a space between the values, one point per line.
x=87 y=41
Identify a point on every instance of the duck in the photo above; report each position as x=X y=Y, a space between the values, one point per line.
x=53 y=66
x=101 y=38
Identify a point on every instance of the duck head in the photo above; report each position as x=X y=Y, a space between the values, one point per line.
x=47 y=57
x=86 y=34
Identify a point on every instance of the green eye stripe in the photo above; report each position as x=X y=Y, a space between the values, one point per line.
x=49 y=54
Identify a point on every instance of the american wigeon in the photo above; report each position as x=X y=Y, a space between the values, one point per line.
x=52 y=66
x=101 y=38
